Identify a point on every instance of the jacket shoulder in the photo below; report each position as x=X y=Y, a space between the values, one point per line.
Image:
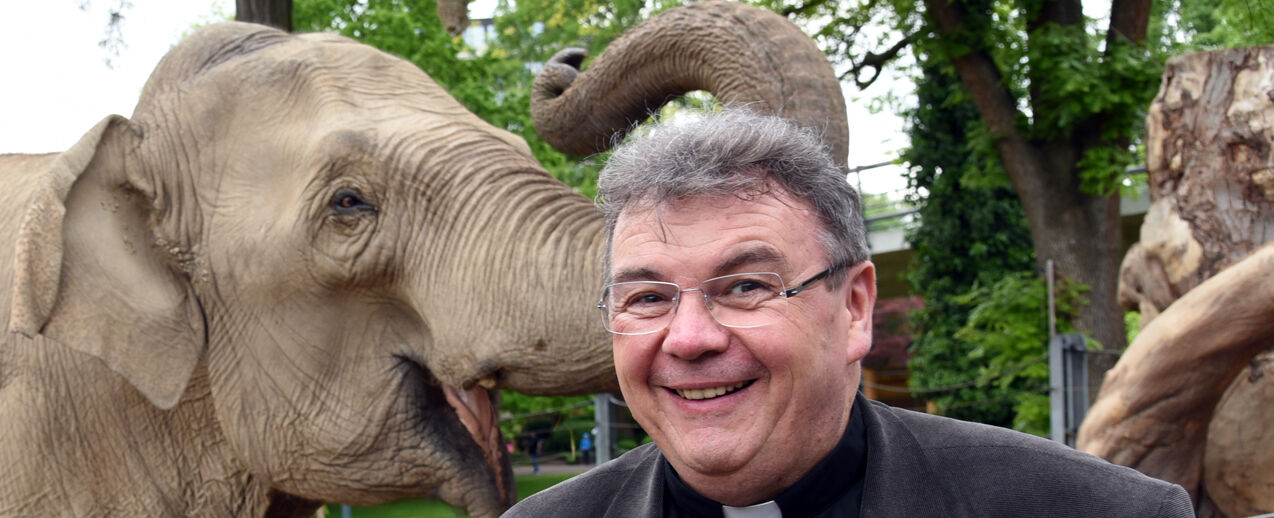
x=1001 y=472
x=624 y=487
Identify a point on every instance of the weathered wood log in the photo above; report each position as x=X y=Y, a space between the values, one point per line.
x=1210 y=161
x=1238 y=462
x=1156 y=404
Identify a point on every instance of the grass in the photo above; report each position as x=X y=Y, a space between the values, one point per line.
x=421 y=508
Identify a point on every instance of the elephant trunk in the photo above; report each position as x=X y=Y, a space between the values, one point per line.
x=454 y=15
x=526 y=263
x=741 y=54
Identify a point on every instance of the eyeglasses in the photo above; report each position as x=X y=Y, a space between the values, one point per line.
x=740 y=300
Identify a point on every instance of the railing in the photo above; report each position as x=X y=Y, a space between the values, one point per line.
x=889 y=210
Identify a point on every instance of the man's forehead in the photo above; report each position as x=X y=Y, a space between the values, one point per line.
x=751 y=256
x=647 y=210
x=768 y=232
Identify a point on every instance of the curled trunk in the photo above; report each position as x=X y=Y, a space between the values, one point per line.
x=741 y=54
x=454 y=15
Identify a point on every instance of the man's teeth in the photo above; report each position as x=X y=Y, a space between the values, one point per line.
x=708 y=393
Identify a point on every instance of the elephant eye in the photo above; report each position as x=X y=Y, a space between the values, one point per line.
x=349 y=200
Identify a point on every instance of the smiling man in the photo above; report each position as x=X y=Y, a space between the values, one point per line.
x=739 y=295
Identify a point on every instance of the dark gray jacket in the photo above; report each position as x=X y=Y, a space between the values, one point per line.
x=918 y=465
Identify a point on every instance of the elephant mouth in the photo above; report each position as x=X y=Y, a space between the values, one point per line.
x=477 y=410
x=478 y=415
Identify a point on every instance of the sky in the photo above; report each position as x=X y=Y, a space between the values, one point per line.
x=64 y=85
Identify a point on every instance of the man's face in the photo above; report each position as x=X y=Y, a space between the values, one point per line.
x=798 y=374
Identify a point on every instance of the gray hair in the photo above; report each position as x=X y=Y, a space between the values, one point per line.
x=734 y=152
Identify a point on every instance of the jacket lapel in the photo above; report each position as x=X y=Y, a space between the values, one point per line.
x=900 y=480
x=641 y=495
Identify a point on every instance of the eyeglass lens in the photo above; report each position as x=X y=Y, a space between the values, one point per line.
x=739 y=300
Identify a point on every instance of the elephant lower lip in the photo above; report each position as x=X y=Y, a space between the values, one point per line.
x=478 y=416
x=477 y=413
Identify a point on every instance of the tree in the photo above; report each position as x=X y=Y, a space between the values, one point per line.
x=972 y=234
x=275 y=13
x=1059 y=104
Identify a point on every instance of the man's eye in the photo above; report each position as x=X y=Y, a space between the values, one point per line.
x=645 y=299
x=745 y=286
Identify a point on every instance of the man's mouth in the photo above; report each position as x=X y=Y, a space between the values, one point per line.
x=711 y=392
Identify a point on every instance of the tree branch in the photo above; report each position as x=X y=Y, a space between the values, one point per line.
x=803 y=9
x=876 y=62
x=978 y=72
x=997 y=106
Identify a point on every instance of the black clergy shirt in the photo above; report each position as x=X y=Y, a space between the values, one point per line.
x=834 y=488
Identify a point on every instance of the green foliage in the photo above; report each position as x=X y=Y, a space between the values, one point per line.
x=1132 y=324
x=1007 y=332
x=973 y=233
x=534 y=30
x=879 y=205
x=522 y=415
x=1184 y=26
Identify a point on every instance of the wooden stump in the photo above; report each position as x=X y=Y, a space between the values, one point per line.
x=1209 y=140
x=1210 y=161
x=1238 y=464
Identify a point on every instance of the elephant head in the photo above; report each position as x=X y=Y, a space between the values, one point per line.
x=312 y=241
x=352 y=257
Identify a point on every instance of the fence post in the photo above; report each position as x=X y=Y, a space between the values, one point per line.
x=1068 y=386
x=605 y=440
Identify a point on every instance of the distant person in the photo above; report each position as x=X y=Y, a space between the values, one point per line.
x=534 y=449
x=749 y=389
x=586 y=449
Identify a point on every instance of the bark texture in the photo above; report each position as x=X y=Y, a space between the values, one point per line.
x=1237 y=461
x=1079 y=232
x=743 y=55
x=1211 y=176
x=1157 y=402
x=1211 y=173
x=275 y=13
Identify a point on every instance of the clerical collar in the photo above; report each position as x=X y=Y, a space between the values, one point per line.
x=833 y=488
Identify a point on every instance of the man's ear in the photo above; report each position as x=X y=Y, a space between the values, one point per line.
x=88 y=272
x=860 y=299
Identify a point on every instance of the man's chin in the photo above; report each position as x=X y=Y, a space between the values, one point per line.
x=710 y=453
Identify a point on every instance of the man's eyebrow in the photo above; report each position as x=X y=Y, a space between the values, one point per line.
x=636 y=274
x=755 y=255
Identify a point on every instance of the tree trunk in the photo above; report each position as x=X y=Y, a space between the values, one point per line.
x=1078 y=232
x=275 y=13
x=1211 y=175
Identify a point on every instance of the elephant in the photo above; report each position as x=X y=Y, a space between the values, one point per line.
x=298 y=273
x=454 y=15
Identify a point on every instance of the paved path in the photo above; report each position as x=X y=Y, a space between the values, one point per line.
x=550 y=467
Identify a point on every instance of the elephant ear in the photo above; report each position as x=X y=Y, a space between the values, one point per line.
x=88 y=272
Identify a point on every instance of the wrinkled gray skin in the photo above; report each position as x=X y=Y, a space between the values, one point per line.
x=290 y=277
x=454 y=15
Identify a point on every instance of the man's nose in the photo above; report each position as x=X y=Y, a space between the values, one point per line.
x=693 y=331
